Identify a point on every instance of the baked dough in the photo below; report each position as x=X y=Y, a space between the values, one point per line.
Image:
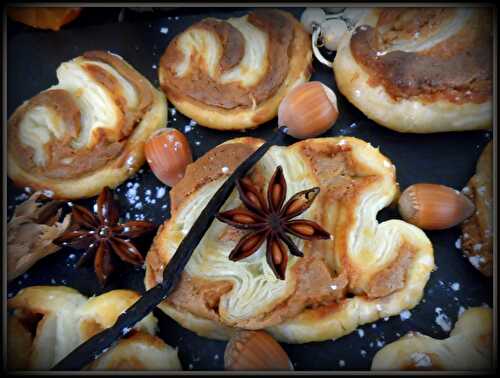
x=469 y=347
x=48 y=322
x=420 y=70
x=86 y=132
x=477 y=235
x=368 y=271
x=232 y=74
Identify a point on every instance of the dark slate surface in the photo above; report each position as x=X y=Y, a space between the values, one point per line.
x=447 y=158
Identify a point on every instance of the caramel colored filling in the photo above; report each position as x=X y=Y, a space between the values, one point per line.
x=60 y=157
x=206 y=87
x=208 y=168
x=392 y=278
x=457 y=68
x=317 y=283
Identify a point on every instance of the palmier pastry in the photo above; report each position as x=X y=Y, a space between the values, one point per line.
x=420 y=70
x=365 y=272
x=469 y=347
x=49 y=322
x=86 y=132
x=233 y=74
x=477 y=235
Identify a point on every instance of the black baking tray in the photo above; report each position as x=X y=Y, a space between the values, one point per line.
x=446 y=158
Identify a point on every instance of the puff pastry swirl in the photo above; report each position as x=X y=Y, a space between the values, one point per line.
x=48 y=322
x=368 y=271
x=87 y=131
x=232 y=74
x=420 y=70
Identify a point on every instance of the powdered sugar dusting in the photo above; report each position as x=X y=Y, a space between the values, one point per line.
x=442 y=319
x=421 y=360
x=160 y=192
x=461 y=310
x=131 y=193
x=405 y=315
x=476 y=260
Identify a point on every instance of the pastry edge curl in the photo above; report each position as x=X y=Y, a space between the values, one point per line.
x=409 y=116
x=300 y=70
x=351 y=313
x=467 y=347
x=115 y=172
x=311 y=326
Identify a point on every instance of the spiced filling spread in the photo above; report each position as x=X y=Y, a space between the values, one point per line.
x=202 y=82
x=433 y=54
x=48 y=145
x=317 y=283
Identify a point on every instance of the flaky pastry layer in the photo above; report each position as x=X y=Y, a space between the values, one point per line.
x=233 y=74
x=412 y=113
x=86 y=132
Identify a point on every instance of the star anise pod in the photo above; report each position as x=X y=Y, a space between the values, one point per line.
x=101 y=235
x=272 y=221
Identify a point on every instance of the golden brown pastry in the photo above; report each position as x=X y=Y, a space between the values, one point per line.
x=233 y=74
x=469 y=347
x=477 y=235
x=48 y=322
x=420 y=70
x=86 y=132
x=369 y=270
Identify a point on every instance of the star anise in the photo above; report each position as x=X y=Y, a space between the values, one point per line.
x=101 y=235
x=272 y=221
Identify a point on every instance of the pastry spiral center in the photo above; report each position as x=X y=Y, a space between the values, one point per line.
x=240 y=62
